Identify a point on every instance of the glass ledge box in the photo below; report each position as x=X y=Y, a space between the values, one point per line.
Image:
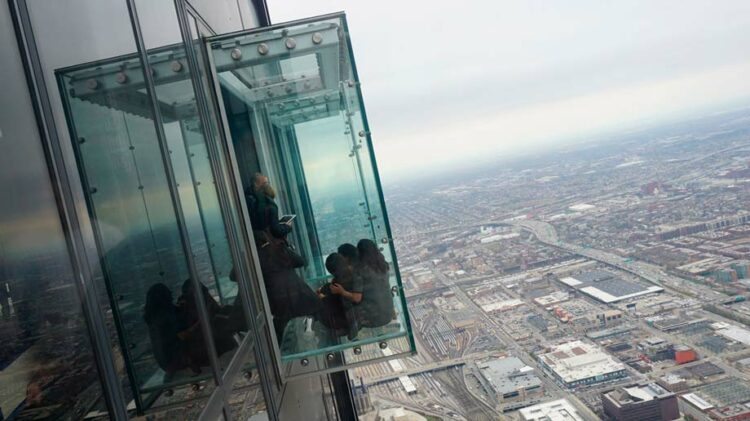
x=182 y=222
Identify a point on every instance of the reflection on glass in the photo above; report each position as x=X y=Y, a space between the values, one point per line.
x=302 y=147
x=152 y=293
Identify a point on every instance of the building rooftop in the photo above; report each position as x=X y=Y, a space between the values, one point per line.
x=606 y=287
x=578 y=360
x=559 y=410
x=509 y=375
x=637 y=393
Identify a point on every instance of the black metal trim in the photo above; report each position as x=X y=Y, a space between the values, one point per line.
x=261 y=10
x=65 y=200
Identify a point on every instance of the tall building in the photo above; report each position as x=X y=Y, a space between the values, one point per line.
x=148 y=147
x=640 y=402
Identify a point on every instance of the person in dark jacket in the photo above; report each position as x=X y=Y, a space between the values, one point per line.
x=288 y=295
x=161 y=318
x=265 y=213
x=338 y=313
x=189 y=323
x=370 y=291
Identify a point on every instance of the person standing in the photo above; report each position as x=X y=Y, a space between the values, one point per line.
x=264 y=212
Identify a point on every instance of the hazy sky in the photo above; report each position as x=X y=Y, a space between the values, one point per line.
x=447 y=83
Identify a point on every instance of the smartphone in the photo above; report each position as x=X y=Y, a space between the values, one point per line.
x=286 y=219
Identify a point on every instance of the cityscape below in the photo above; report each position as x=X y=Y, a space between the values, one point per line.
x=605 y=280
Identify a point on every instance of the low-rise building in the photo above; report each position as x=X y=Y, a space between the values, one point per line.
x=559 y=410
x=511 y=379
x=640 y=402
x=578 y=363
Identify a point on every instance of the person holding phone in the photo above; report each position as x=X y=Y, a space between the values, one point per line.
x=264 y=210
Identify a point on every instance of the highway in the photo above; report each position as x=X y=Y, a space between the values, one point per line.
x=547 y=234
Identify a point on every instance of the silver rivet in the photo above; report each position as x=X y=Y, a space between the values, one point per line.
x=383 y=345
x=236 y=54
x=394 y=291
x=263 y=48
x=290 y=43
x=357 y=350
x=304 y=362
x=329 y=356
x=361 y=133
x=384 y=241
x=248 y=374
x=196 y=387
x=92 y=84
x=317 y=38
x=121 y=77
x=176 y=66
x=350 y=83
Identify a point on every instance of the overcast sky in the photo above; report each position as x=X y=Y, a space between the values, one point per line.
x=446 y=83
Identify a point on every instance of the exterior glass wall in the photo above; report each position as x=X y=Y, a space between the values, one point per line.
x=47 y=367
x=154 y=232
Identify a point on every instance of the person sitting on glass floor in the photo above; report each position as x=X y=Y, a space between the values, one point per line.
x=370 y=290
x=337 y=312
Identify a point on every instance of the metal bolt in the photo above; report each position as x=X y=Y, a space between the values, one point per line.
x=290 y=43
x=81 y=140
x=121 y=77
x=92 y=84
x=263 y=48
x=236 y=54
x=383 y=345
x=304 y=362
x=176 y=66
x=196 y=387
x=394 y=291
x=329 y=356
x=384 y=241
x=350 y=83
x=317 y=38
x=248 y=374
x=357 y=350
x=93 y=190
x=362 y=133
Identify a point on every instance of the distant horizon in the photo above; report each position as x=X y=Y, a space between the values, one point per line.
x=602 y=138
x=448 y=87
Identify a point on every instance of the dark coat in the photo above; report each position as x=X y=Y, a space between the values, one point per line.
x=288 y=295
x=264 y=215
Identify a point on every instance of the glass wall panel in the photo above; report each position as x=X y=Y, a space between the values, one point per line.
x=295 y=115
x=187 y=135
x=47 y=370
x=156 y=303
